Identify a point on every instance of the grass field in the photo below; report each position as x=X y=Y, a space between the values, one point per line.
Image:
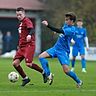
x=62 y=85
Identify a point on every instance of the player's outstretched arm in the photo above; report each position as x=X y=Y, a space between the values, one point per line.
x=52 y=28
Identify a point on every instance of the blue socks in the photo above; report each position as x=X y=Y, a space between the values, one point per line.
x=73 y=76
x=83 y=62
x=46 y=69
x=73 y=63
x=45 y=66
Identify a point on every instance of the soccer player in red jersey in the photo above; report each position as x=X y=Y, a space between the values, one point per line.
x=26 y=46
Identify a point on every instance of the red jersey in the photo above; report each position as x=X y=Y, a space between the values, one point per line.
x=23 y=32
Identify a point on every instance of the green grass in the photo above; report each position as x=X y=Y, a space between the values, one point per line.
x=62 y=86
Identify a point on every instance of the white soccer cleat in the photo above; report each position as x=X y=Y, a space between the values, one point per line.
x=50 y=77
x=79 y=84
x=84 y=70
x=72 y=69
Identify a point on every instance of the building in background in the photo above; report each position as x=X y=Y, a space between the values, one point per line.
x=8 y=20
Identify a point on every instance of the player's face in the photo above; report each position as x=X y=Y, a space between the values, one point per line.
x=79 y=23
x=20 y=15
x=68 y=21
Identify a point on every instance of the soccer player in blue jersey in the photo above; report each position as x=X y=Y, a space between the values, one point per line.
x=78 y=47
x=61 y=49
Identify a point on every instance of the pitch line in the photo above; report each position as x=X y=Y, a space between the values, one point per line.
x=89 y=90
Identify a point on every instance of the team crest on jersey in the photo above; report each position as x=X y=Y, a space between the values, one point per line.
x=82 y=33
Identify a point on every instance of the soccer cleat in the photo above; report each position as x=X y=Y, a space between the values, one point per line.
x=50 y=77
x=72 y=69
x=44 y=77
x=25 y=81
x=83 y=70
x=79 y=84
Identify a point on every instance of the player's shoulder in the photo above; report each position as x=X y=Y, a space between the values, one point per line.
x=73 y=27
x=27 y=19
x=84 y=29
x=76 y=27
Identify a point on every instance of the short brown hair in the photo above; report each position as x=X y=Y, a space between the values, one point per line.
x=20 y=9
x=71 y=15
x=80 y=19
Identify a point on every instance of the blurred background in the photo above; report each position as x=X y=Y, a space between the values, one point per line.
x=38 y=10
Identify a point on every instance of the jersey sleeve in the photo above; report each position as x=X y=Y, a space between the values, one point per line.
x=29 y=24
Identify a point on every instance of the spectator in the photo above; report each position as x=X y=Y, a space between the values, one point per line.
x=1 y=42
x=8 y=41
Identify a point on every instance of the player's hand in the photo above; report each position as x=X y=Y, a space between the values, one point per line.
x=55 y=33
x=87 y=48
x=18 y=47
x=28 y=38
x=72 y=41
x=45 y=22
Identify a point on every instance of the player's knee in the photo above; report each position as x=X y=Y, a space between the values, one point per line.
x=65 y=69
x=15 y=63
x=29 y=64
x=40 y=56
x=82 y=57
x=74 y=58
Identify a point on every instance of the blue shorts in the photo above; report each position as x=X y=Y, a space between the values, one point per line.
x=77 y=50
x=62 y=55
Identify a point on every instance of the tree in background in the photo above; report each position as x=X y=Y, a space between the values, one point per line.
x=55 y=11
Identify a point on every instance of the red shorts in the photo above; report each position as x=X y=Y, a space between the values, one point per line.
x=26 y=53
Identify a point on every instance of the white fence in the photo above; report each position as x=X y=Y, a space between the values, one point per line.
x=89 y=55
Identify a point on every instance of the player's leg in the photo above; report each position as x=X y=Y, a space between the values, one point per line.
x=72 y=75
x=16 y=64
x=74 y=54
x=44 y=63
x=64 y=60
x=73 y=63
x=29 y=54
x=83 y=61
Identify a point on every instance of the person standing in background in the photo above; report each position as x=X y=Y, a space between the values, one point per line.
x=8 y=41
x=1 y=42
x=78 y=47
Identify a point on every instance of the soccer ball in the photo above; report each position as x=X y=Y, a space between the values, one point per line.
x=13 y=77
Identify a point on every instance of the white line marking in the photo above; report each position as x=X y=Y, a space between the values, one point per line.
x=79 y=90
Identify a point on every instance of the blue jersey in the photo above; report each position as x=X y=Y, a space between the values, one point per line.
x=63 y=42
x=79 y=37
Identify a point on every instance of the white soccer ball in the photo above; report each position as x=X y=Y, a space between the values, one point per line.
x=13 y=77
